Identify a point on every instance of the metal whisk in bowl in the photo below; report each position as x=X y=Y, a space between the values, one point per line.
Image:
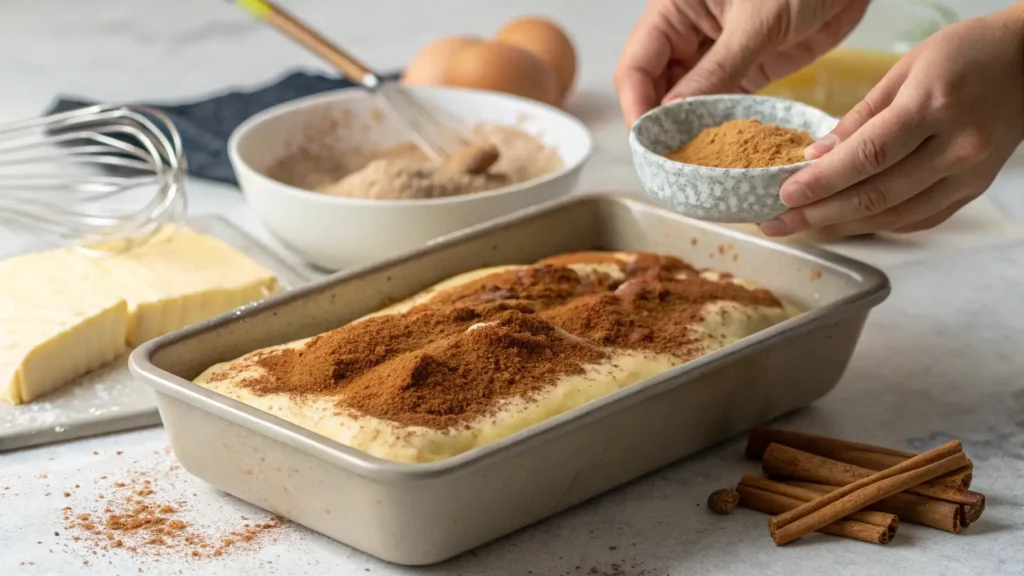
x=431 y=135
x=99 y=179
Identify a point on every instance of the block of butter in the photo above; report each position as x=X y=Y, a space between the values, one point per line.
x=56 y=323
x=63 y=314
x=179 y=278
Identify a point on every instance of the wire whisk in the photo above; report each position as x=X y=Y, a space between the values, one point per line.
x=100 y=179
x=434 y=137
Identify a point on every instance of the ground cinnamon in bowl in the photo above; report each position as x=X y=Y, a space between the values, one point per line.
x=744 y=144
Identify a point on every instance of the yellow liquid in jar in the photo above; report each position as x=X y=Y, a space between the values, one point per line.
x=837 y=81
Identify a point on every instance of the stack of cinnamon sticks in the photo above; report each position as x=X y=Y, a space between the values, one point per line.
x=856 y=490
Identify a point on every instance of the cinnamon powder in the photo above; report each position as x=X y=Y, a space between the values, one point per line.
x=744 y=144
x=454 y=358
x=136 y=519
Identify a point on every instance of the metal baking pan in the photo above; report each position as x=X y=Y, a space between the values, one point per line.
x=418 y=514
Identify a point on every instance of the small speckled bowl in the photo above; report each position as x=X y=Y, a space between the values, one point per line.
x=717 y=194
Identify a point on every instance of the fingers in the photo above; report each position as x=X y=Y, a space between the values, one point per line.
x=935 y=219
x=643 y=62
x=724 y=65
x=876 y=100
x=882 y=142
x=925 y=210
x=840 y=18
x=637 y=94
x=673 y=73
x=869 y=197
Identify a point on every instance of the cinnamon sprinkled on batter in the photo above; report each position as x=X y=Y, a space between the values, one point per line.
x=508 y=335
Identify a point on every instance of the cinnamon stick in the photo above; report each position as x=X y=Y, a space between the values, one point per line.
x=771 y=503
x=862 y=455
x=785 y=462
x=760 y=438
x=796 y=523
x=873 y=517
x=912 y=508
x=959 y=479
x=971 y=513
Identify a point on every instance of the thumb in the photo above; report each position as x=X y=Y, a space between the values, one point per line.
x=723 y=66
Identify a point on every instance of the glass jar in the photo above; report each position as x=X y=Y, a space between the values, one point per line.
x=841 y=78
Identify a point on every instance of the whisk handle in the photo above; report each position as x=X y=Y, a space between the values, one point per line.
x=284 y=22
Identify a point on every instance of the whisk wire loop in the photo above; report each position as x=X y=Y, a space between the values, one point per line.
x=434 y=138
x=100 y=179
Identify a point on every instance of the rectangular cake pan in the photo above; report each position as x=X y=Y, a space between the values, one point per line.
x=418 y=514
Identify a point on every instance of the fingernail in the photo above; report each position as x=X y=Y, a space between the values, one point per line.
x=821 y=147
x=795 y=194
x=673 y=100
x=775 y=227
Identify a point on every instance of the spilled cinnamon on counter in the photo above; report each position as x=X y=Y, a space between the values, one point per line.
x=141 y=514
x=744 y=144
x=454 y=358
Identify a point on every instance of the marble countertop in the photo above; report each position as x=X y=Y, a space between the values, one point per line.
x=927 y=368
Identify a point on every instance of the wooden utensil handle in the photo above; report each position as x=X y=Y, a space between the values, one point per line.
x=277 y=17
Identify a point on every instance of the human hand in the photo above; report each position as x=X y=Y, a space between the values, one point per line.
x=927 y=140
x=682 y=48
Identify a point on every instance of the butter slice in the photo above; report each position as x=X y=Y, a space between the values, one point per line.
x=56 y=323
x=64 y=314
x=179 y=278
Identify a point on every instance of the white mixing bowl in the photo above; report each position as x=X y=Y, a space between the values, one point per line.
x=334 y=232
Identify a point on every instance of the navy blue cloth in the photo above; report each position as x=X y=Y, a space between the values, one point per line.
x=205 y=125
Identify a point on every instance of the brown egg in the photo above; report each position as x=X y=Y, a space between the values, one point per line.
x=547 y=41
x=503 y=68
x=430 y=65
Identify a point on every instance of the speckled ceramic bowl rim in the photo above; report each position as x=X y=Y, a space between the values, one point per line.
x=341 y=95
x=666 y=163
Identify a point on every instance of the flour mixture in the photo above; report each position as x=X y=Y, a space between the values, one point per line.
x=402 y=172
